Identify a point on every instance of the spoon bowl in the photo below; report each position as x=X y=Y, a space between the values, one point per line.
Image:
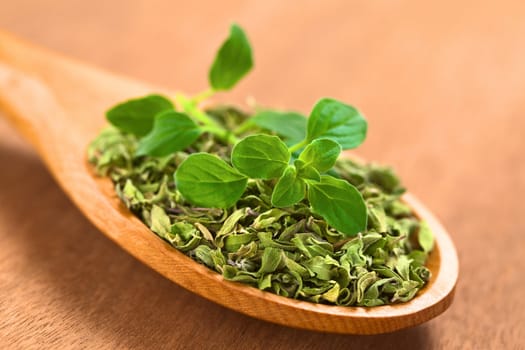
x=57 y=103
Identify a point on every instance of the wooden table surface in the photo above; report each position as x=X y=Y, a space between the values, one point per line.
x=442 y=85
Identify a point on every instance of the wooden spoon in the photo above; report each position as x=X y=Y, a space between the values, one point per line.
x=58 y=104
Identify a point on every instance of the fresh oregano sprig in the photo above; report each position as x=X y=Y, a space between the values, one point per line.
x=297 y=169
x=267 y=157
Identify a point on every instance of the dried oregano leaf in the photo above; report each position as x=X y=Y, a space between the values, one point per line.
x=270 y=260
x=160 y=222
x=288 y=251
x=425 y=237
x=229 y=226
x=131 y=196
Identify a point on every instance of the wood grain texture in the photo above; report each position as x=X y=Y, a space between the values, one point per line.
x=52 y=99
x=452 y=72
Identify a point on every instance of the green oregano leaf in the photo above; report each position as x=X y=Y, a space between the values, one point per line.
x=289 y=189
x=208 y=181
x=172 y=131
x=136 y=116
x=289 y=125
x=233 y=60
x=337 y=121
x=320 y=154
x=339 y=203
x=307 y=172
x=261 y=156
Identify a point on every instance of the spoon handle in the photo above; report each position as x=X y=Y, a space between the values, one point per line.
x=44 y=94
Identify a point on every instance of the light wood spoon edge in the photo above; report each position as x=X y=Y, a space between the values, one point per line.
x=41 y=93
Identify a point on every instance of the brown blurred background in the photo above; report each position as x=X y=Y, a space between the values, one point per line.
x=443 y=87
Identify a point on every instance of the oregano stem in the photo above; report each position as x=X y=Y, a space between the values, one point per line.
x=203 y=95
x=190 y=107
x=203 y=117
x=221 y=133
x=245 y=126
x=298 y=146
